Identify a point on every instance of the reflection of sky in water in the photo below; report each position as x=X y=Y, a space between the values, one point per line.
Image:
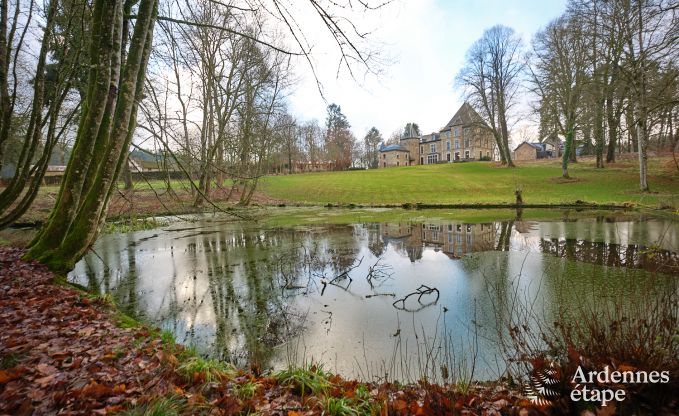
x=256 y=295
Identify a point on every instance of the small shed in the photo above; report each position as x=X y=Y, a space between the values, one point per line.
x=530 y=151
x=393 y=155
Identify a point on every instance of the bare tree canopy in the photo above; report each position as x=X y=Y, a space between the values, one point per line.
x=491 y=78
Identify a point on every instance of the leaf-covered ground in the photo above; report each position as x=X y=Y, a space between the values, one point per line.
x=62 y=351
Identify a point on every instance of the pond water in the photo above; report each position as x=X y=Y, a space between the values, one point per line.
x=394 y=300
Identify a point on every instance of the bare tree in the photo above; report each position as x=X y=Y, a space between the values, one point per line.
x=559 y=76
x=650 y=32
x=491 y=77
x=37 y=126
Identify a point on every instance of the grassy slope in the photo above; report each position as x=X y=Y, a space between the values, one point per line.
x=477 y=182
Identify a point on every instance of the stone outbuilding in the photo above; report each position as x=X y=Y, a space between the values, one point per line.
x=394 y=155
x=529 y=151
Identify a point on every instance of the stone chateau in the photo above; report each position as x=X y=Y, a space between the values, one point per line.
x=465 y=138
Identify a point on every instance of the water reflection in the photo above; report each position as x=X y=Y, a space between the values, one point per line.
x=360 y=297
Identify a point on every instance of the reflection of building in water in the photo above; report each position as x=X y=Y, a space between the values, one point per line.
x=404 y=237
x=454 y=239
x=458 y=239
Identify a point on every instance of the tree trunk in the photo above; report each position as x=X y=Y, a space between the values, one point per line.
x=599 y=139
x=85 y=208
x=127 y=174
x=568 y=149
x=612 y=130
x=640 y=130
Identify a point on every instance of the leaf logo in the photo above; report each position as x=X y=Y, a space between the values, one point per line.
x=539 y=388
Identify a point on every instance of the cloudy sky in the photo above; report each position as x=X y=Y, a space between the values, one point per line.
x=426 y=41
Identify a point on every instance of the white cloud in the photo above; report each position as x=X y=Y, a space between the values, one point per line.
x=428 y=40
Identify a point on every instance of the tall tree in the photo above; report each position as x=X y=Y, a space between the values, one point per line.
x=44 y=121
x=491 y=77
x=338 y=138
x=650 y=32
x=559 y=76
x=372 y=142
x=108 y=118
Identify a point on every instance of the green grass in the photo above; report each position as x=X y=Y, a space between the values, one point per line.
x=307 y=380
x=300 y=216
x=478 y=183
x=334 y=406
x=133 y=224
x=246 y=391
x=209 y=370
x=161 y=406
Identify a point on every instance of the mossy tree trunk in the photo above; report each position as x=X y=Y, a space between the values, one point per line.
x=107 y=124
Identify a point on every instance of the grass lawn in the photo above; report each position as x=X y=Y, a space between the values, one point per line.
x=482 y=183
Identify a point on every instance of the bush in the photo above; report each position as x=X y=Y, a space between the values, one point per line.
x=624 y=334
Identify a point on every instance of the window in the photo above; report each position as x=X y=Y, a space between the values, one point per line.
x=433 y=158
x=467 y=132
x=457 y=143
x=448 y=157
x=457 y=155
x=421 y=150
x=458 y=228
x=448 y=145
x=448 y=135
x=456 y=132
x=469 y=228
x=467 y=142
x=450 y=227
x=384 y=164
x=433 y=147
x=398 y=163
x=480 y=155
x=398 y=156
x=466 y=154
x=421 y=160
x=384 y=156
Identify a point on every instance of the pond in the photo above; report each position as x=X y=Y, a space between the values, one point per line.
x=373 y=300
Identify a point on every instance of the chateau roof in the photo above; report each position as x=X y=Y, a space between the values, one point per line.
x=394 y=147
x=465 y=116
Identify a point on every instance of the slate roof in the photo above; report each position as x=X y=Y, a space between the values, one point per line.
x=393 y=147
x=431 y=138
x=465 y=116
x=539 y=146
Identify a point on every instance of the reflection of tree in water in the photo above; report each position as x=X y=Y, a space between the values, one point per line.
x=613 y=255
x=504 y=235
x=375 y=242
x=252 y=275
